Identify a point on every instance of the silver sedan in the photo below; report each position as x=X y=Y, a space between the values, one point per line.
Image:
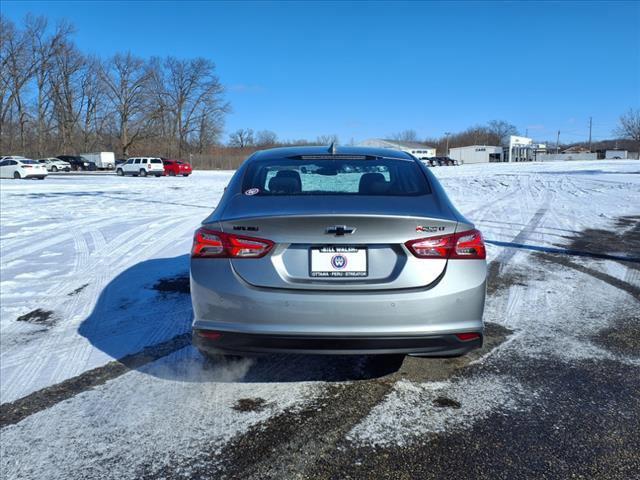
x=341 y=251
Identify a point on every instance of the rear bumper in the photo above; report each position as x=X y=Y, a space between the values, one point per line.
x=426 y=345
x=223 y=302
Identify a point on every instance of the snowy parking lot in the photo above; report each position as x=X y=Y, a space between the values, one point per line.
x=98 y=378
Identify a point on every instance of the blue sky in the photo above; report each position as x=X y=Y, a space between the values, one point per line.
x=365 y=70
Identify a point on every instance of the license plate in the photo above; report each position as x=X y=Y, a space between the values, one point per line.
x=338 y=261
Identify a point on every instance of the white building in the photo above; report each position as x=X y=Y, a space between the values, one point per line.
x=519 y=149
x=522 y=149
x=476 y=154
x=419 y=150
x=615 y=154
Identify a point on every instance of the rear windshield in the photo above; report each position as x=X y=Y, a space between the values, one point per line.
x=380 y=176
x=155 y=160
x=29 y=162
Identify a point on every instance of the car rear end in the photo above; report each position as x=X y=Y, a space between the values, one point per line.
x=184 y=169
x=155 y=167
x=32 y=169
x=340 y=253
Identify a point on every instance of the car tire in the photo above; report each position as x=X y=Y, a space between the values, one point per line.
x=185 y=174
x=17 y=175
x=172 y=173
x=41 y=178
x=54 y=169
x=119 y=172
x=143 y=172
x=158 y=175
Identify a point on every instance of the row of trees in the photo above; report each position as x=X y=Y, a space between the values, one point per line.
x=246 y=137
x=495 y=132
x=54 y=99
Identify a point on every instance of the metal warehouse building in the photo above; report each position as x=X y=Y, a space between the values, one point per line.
x=476 y=154
x=420 y=150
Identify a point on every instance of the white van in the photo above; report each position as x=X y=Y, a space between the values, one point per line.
x=142 y=166
x=102 y=160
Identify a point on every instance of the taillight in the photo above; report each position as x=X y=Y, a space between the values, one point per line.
x=213 y=244
x=461 y=245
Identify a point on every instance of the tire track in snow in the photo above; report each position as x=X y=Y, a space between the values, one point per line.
x=13 y=412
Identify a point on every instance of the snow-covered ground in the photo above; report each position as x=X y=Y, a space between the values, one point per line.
x=89 y=249
x=65 y=240
x=63 y=243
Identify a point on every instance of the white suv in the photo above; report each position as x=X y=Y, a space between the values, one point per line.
x=55 y=164
x=142 y=166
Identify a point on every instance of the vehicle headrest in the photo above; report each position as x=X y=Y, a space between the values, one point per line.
x=286 y=181
x=373 y=183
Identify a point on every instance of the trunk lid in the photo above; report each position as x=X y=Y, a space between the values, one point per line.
x=300 y=225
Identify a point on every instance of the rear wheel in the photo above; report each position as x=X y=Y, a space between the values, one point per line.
x=158 y=175
x=16 y=175
x=185 y=174
x=143 y=172
x=172 y=173
x=119 y=172
x=54 y=169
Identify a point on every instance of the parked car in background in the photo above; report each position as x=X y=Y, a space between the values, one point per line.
x=20 y=167
x=441 y=161
x=53 y=164
x=176 y=167
x=141 y=166
x=315 y=241
x=77 y=162
x=102 y=160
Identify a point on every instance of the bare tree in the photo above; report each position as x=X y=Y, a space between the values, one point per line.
x=405 y=136
x=94 y=100
x=192 y=89
x=8 y=40
x=502 y=130
x=327 y=139
x=68 y=91
x=266 y=138
x=44 y=48
x=18 y=68
x=127 y=83
x=629 y=125
x=243 y=137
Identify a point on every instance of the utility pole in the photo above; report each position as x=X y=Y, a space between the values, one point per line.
x=590 y=124
x=446 y=152
x=558 y=143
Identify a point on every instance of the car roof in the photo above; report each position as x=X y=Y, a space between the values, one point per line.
x=281 y=152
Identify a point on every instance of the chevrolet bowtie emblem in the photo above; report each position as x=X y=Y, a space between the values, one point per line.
x=340 y=230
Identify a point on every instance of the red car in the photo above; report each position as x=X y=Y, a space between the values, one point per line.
x=176 y=167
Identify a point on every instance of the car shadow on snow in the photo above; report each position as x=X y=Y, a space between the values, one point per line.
x=143 y=317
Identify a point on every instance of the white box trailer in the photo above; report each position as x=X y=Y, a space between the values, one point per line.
x=102 y=160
